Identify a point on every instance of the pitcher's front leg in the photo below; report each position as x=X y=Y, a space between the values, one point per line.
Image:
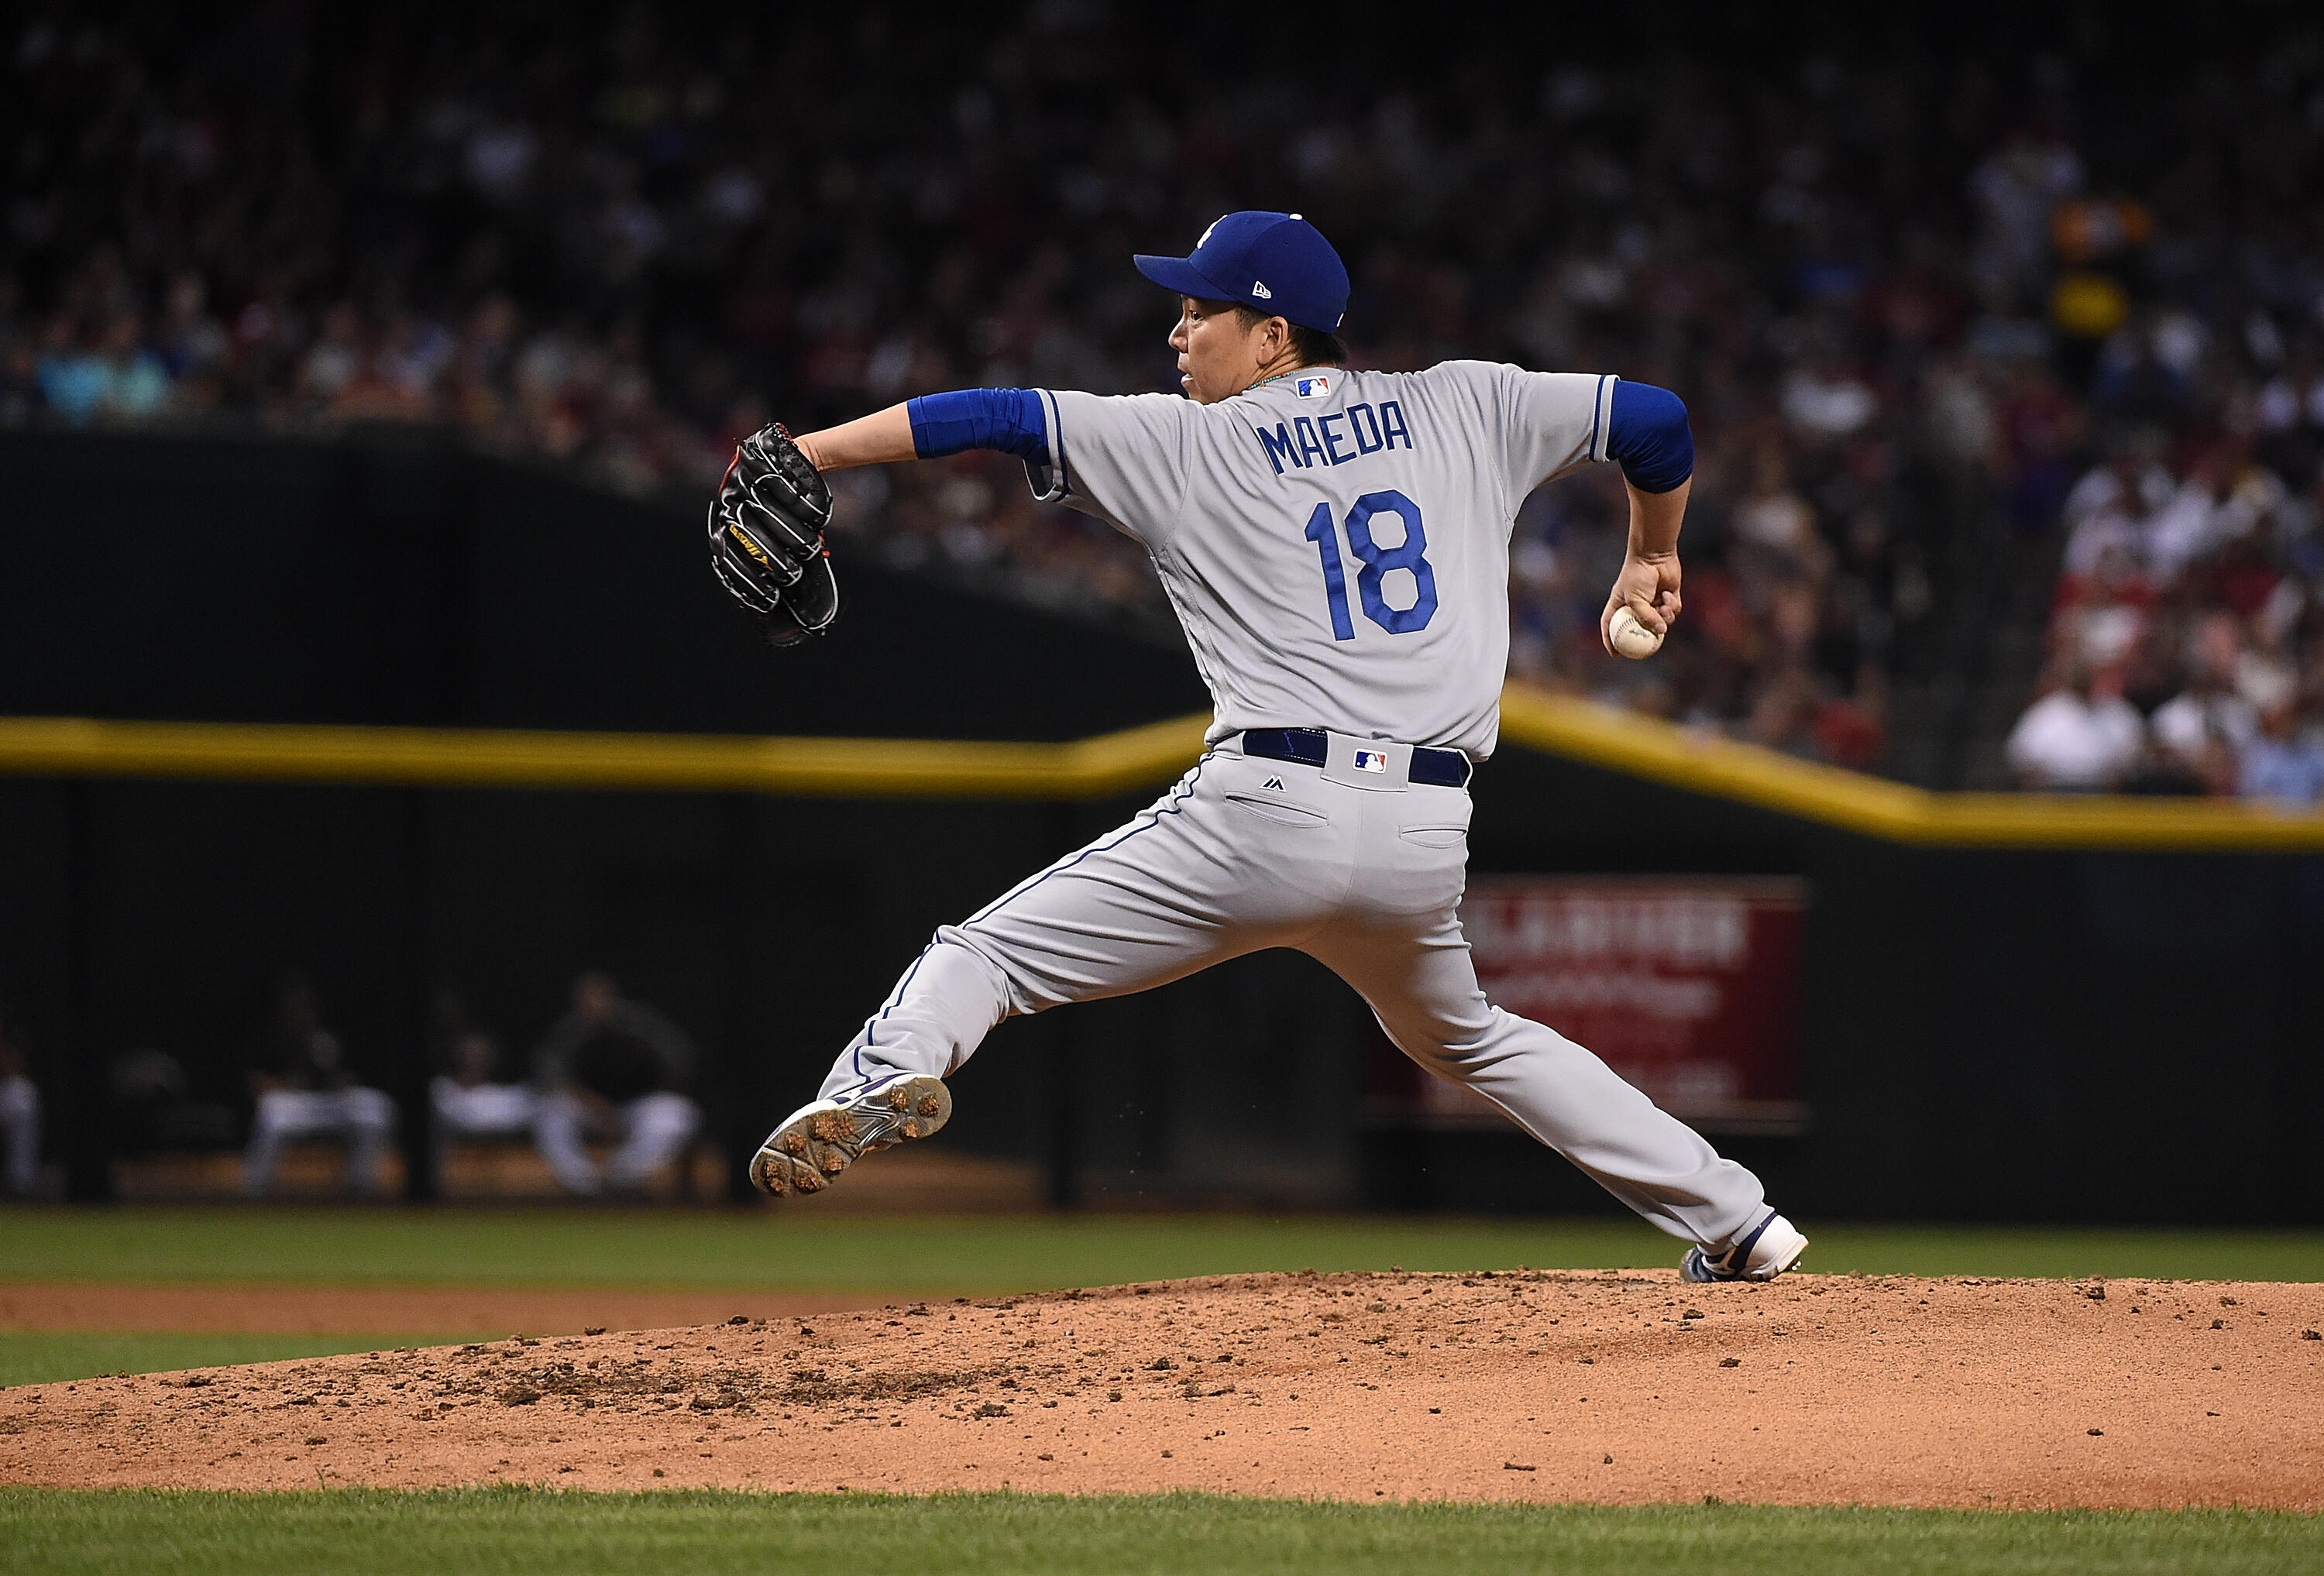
x=1423 y=991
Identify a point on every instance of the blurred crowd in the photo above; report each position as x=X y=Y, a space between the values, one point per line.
x=2186 y=638
x=605 y=1099
x=1942 y=321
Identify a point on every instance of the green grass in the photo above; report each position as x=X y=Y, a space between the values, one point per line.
x=38 y=1357
x=799 y=1250
x=569 y=1533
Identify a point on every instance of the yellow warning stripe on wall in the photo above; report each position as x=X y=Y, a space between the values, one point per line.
x=1702 y=763
x=1114 y=763
x=1092 y=768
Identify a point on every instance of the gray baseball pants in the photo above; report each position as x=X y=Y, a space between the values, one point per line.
x=1362 y=871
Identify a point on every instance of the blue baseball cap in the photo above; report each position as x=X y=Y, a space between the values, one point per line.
x=1277 y=263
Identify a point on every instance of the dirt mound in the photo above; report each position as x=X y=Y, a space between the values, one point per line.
x=1608 y=1387
x=269 y=1308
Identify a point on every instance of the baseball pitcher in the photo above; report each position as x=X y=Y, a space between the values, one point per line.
x=1336 y=544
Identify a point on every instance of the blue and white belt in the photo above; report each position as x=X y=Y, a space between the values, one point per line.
x=1312 y=747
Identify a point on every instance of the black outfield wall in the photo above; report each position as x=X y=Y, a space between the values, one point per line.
x=2020 y=1035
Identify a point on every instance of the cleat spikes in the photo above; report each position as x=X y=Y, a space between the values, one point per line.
x=823 y=1139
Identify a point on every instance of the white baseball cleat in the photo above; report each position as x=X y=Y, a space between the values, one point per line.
x=1762 y=1253
x=821 y=1138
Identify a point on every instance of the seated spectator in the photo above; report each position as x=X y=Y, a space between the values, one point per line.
x=2206 y=727
x=2075 y=739
x=1849 y=730
x=2284 y=764
x=2112 y=505
x=73 y=382
x=468 y=1102
x=154 y=1107
x=614 y=1069
x=2192 y=523
x=306 y=1089
x=20 y=1121
x=2100 y=616
x=2266 y=676
x=156 y=1110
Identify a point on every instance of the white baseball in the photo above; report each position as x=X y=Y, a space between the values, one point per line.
x=1630 y=637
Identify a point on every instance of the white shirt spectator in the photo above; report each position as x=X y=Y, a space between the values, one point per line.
x=2256 y=498
x=2102 y=488
x=20 y=1134
x=2287 y=402
x=2104 y=633
x=2266 y=681
x=2191 y=721
x=2098 y=533
x=2014 y=187
x=2181 y=531
x=1830 y=405
x=2072 y=742
x=1778 y=520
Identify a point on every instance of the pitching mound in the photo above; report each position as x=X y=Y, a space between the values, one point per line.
x=270 y=1309
x=1607 y=1388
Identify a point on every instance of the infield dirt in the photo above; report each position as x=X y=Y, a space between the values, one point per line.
x=1610 y=1387
x=273 y=1308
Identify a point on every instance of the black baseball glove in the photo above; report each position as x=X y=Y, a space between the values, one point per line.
x=766 y=538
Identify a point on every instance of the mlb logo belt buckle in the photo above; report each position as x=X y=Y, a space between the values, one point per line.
x=1367 y=763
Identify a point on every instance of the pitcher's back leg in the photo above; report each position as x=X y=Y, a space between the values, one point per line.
x=1194 y=880
x=1146 y=903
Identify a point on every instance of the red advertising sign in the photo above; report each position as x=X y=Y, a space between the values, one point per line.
x=1687 y=986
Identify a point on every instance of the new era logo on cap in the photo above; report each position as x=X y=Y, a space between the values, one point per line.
x=1280 y=259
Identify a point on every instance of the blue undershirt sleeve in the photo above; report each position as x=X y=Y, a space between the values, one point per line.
x=1648 y=432
x=1008 y=420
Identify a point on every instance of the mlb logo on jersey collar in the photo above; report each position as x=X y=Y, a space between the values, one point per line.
x=1314 y=386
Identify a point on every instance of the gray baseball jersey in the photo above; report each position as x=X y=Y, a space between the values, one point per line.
x=1336 y=543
